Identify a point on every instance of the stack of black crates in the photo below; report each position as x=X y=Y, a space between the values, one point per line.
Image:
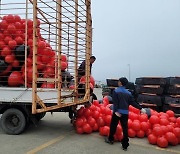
x=150 y=91
x=158 y=93
x=161 y=94
x=172 y=95
x=113 y=83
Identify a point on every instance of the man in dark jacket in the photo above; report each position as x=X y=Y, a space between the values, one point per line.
x=122 y=98
x=82 y=67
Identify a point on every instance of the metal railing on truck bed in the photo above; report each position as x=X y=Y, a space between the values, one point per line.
x=42 y=43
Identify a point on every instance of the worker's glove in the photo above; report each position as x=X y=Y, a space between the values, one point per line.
x=143 y=111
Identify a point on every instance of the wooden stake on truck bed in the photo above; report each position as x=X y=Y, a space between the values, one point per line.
x=70 y=25
x=34 y=82
x=59 y=15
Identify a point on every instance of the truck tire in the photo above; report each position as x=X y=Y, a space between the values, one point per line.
x=39 y=116
x=13 y=121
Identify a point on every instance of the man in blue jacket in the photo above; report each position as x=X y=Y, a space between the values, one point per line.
x=122 y=98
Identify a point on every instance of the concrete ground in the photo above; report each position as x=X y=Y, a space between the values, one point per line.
x=55 y=135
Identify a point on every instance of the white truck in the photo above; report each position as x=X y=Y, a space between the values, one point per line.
x=57 y=37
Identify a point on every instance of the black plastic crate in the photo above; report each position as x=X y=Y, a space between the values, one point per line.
x=173 y=107
x=151 y=106
x=106 y=91
x=152 y=89
x=130 y=85
x=131 y=88
x=172 y=100
x=173 y=80
x=111 y=85
x=172 y=90
x=151 y=81
x=112 y=82
x=150 y=99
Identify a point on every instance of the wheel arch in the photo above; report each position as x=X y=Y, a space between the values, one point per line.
x=25 y=109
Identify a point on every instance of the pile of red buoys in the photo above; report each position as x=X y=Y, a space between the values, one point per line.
x=161 y=128
x=12 y=52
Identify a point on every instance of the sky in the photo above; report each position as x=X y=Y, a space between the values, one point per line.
x=136 y=38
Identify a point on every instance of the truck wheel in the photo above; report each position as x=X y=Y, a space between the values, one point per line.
x=13 y=121
x=39 y=116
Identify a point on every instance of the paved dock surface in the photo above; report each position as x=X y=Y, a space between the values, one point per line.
x=55 y=135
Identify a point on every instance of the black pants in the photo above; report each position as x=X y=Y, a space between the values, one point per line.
x=124 y=123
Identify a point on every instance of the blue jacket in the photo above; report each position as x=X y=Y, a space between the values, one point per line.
x=122 y=98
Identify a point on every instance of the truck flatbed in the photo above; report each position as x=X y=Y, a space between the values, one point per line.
x=24 y=95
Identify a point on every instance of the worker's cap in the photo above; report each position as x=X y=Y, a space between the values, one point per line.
x=124 y=81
